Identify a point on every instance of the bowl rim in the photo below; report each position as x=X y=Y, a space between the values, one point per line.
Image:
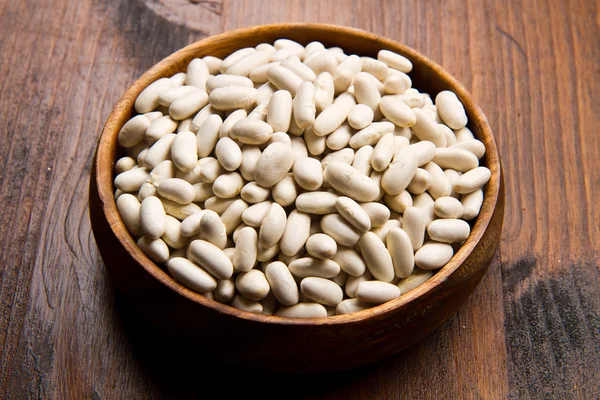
x=104 y=164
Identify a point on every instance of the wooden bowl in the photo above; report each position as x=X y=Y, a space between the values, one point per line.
x=276 y=343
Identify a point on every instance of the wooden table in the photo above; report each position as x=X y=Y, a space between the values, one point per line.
x=532 y=329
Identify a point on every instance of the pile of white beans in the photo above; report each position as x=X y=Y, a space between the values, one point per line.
x=298 y=181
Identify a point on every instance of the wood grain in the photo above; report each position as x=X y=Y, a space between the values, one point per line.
x=530 y=331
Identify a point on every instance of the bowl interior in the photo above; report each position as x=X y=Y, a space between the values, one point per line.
x=427 y=76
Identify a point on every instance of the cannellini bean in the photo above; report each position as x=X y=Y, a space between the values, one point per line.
x=383 y=152
x=208 y=134
x=352 y=212
x=232 y=97
x=394 y=60
x=425 y=128
x=172 y=235
x=471 y=204
x=273 y=164
x=377 y=212
x=244 y=304
x=229 y=154
x=285 y=192
x=296 y=233
x=190 y=226
x=265 y=254
x=184 y=151
x=350 y=261
x=279 y=113
x=308 y=266
x=300 y=69
x=225 y=290
x=413 y=223
x=463 y=134
x=360 y=116
x=179 y=211
x=473 y=145
x=362 y=159
x=212 y=229
x=324 y=91
x=197 y=73
x=250 y=155
x=400 y=248
x=456 y=158
x=249 y=62
x=254 y=215
x=134 y=130
x=233 y=57
x=433 y=255
x=400 y=173
x=303 y=310
x=308 y=173
x=321 y=246
x=345 y=155
x=384 y=229
x=177 y=190
x=129 y=209
x=397 y=111
x=322 y=291
x=317 y=202
x=350 y=182
x=253 y=193
x=259 y=74
x=353 y=282
x=284 y=79
x=340 y=230
x=160 y=151
x=350 y=306
x=340 y=138
x=424 y=150
x=399 y=202
x=374 y=67
x=366 y=92
x=395 y=84
x=188 y=104
x=472 y=180
x=448 y=230
x=251 y=131
x=315 y=144
x=225 y=80
x=371 y=134
x=440 y=184
x=211 y=258
x=451 y=109
x=322 y=62
x=156 y=249
x=210 y=170
x=246 y=251
x=377 y=292
x=190 y=275
x=420 y=182
x=148 y=99
x=376 y=257
x=152 y=217
x=131 y=180
x=252 y=284
x=282 y=283
x=232 y=216
x=304 y=105
x=213 y=64
x=334 y=115
x=448 y=207
x=416 y=279
x=161 y=127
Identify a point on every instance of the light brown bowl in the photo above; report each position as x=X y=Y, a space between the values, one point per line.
x=276 y=343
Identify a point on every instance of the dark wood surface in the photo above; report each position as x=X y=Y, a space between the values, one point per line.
x=532 y=329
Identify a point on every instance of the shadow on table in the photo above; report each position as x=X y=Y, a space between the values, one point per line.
x=180 y=375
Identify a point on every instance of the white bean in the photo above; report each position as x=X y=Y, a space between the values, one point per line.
x=321 y=246
x=340 y=230
x=350 y=182
x=353 y=213
x=440 y=184
x=273 y=164
x=456 y=158
x=334 y=115
x=285 y=192
x=451 y=109
x=303 y=310
x=156 y=249
x=211 y=258
x=400 y=173
x=225 y=80
x=152 y=217
x=246 y=253
x=319 y=203
x=148 y=99
x=229 y=154
x=308 y=266
x=172 y=235
x=251 y=131
x=433 y=255
x=132 y=180
x=232 y=97
x=416 y=279
x=377 y=292
x=413 y=223
x=377 y=212
x=284 y=79
x=471 y=204
x=448 y=207
x=253 y=193
x=129 y=209
x=208 y=135
x=177 y=190
x=371 y=134
x=472 y=180
x=296 y=233
x=282 y=283
x=322 y=291
x=397 y=111
x=160 y=127
x=448 y=230
x=340 y=138
x=190 y=275
x=197 y=73
x=308 y=173
x=400 y=248
x=134 y=130
x=304 y=105
x=394 y=60
x=188 y=104
x=350 y=306
x=184 y=151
